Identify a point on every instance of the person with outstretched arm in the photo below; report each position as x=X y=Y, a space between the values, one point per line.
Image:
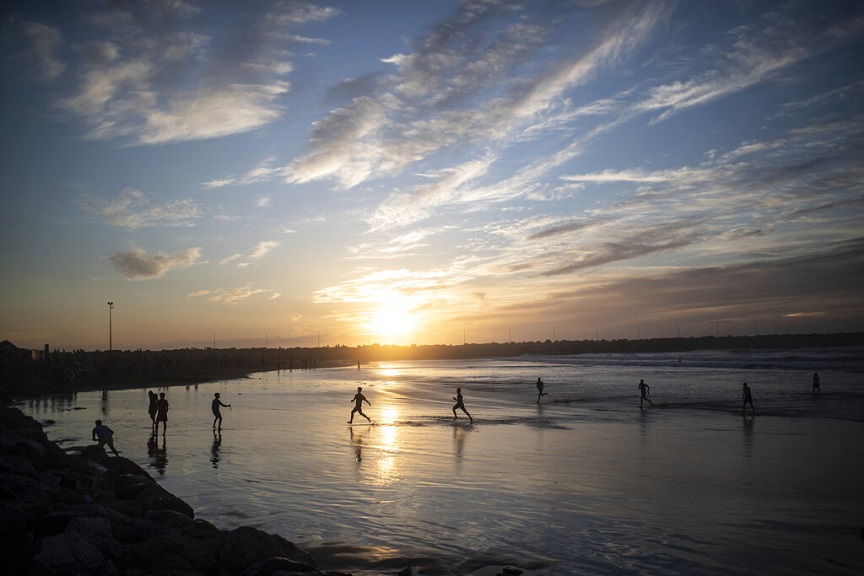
x=358 y=400
x=217 y=415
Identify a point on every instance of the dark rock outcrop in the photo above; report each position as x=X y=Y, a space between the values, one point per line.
x=63 y=514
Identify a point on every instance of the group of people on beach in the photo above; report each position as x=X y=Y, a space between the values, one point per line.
x=158 y=409
x=746 y=395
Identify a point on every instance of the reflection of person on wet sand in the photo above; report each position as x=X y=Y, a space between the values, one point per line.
x=816 y=382
x=643 y=389
x=358 y=405
x=748 y=399
x=217 y=415
x=460 y=403
x=154 y=398
x=214 y=449
x=358 y=445
x=105 y=436
x=161 y=414
x=158 y=455
x=540 y=391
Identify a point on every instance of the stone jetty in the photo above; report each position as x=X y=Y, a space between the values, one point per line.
x=67 y=514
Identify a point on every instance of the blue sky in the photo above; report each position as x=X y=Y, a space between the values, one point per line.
x=396 y=172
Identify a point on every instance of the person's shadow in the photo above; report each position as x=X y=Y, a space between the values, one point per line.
x=214 y=449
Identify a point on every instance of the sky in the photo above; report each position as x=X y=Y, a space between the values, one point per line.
x=298 y=173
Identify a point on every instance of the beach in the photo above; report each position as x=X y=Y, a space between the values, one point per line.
x=583 y=482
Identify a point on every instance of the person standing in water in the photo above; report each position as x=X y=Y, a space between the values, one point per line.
x=217 y=415
x=816 y=382
x=460 y=403
x=643 y=389
x=154 y=398
x=105 y=436
x=161 y=414
x=748 y=399
x=540 y=392
x=358 y=400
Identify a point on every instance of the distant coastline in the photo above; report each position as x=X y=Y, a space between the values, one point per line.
x=36 y=372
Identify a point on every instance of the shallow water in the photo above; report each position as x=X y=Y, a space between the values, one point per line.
x=584 y=482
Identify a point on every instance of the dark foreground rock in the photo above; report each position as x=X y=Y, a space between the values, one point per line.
x=63 y=514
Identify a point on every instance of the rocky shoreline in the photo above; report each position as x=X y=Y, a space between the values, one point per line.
x=63 y=514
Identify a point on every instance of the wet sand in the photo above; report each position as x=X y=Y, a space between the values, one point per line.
x=557 y=488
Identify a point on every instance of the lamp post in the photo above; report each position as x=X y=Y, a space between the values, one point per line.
x=110 y=335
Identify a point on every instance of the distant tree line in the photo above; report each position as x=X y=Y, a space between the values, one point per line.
x=35 y=372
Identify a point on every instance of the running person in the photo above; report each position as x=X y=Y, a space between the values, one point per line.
x=643 y=389
x=460 y=403
x=540 y=391
x=358 y=400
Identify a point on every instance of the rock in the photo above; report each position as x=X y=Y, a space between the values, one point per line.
x=128 y=486
x=178 y=555
x=69 y=552
x=154 y=497
x=95 y=514
x=16 y=540
x=279 y=567
x=246 y=546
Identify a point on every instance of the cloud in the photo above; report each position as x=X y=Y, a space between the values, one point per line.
x=261 y=250
x=158 y=73
x=454 y=90
x=234 y=295
x=46 y=41
x=138 y=265
x=133 y=209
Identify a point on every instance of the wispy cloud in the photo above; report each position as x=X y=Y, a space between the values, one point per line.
x=261 y=250
x=127 y=71
x=234 y=295
x=138 y=265
x=133 y=209
x=453 y=90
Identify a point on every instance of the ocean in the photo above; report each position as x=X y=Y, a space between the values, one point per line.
x=583 y=482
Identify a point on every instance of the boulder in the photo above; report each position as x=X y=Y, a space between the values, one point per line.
x=246 y=546
x=69 y=552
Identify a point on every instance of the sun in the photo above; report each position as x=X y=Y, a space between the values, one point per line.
x=392 y=323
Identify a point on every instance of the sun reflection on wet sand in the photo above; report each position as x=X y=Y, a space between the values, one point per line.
x=386 y=465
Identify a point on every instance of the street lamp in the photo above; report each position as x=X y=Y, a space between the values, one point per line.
x=110 y=336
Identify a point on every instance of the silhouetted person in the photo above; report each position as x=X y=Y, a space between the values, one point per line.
x=816 y=382
x=152 y=408
x=358 y=405
x=217 y=415
x=540 y=391
x=643 y=389
x=161 y=414
x=748 y=399
x=460 y=403
x=105 y=436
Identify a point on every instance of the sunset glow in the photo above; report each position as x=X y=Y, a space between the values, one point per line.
x=244 y=174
